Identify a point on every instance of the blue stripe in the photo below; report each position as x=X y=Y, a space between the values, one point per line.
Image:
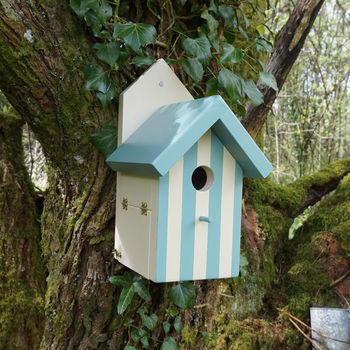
x=213 y=251
x=188 y=215
x=237 y=212
x=162 y=227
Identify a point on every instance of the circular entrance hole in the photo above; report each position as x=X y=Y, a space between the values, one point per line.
x=202 y=178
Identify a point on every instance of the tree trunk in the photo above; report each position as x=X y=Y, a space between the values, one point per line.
x=42 y=48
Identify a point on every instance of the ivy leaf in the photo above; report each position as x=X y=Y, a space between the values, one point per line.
x=135 y=35
x=172 y=311
x=96 y=79
x=169 y=344
x=121 y=280
x=183 y=295
x=231 y=54
x=199 y=48
x=263 y=45
x=106 y=98
x=177 y=324
x=106 y=142
x=125 y=298
x=141 y=288
x=212 y=23
x=213 y=7
x=108 y=52
x=211 y=87
x=193 y=68
x=93 y=22
x=227 y=14
x=129 y=347
x=104 y=12
x=135 y=335
x=148 y=321
x=253 y=93
x=144 y=342
x=80 y=7
x=232 y=84
x=166 y=327
x=268 y=79
x=143 y=61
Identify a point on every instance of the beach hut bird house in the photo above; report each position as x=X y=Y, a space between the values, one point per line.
x=180 y=165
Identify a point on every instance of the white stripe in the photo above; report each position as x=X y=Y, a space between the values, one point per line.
x=174 y=222
x=228 y=180
x=202 y=209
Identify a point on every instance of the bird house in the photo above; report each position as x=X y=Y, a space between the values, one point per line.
x=180 y=165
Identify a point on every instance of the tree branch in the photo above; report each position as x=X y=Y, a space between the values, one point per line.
x=287 y=48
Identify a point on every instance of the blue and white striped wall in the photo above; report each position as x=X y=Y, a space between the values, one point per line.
x=189 y=249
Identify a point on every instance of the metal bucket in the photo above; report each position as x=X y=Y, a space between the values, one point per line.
x=333 y=323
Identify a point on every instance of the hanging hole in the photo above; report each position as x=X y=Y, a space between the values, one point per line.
x=202 y=178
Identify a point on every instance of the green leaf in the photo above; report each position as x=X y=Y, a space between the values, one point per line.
x=177 y=324
x=212 y=23
x=106 y=98
x=172 y=311
x=144 y=342
x=199 y=48
x=263 y=45
x=104 y=12
x=227 y=14
x=80 y=7
x=213 y=7
x=193 y=68
x=121 y=280
x=108 y=52
x=96 y=79
x=135 y=335
x=135 y=35
x=231 y=54
x=128 y=322
x=166 y=327
x=143 y=61
x=268 y=79
x=125 y=299
x=129 y=347
x=183 y=2
x=149 y=321
x=211 y=87
x=141 y=288
x=253 y=93
x=183 y=295
x=232 y=84
x=169 y=344
x=106 y=142
x=93 y=22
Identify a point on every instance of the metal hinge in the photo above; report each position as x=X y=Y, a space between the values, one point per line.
x=116 y=254
x=144 y=208
x=125 y=203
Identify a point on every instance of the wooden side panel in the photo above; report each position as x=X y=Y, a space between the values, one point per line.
x=135 y=232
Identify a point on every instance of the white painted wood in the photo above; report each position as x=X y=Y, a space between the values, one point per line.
x=132 y=239
x=174 y=221
x=152 y=261
x=134 y=236
x=227 y=202
x=157 y=87
x=202 y=209
x=137 y=189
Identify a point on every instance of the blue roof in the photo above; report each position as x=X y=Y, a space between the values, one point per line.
x=173 y=129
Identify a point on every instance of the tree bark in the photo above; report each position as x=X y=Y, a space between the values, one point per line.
x=22 y=271
x=42 y=48
x=288 y=45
